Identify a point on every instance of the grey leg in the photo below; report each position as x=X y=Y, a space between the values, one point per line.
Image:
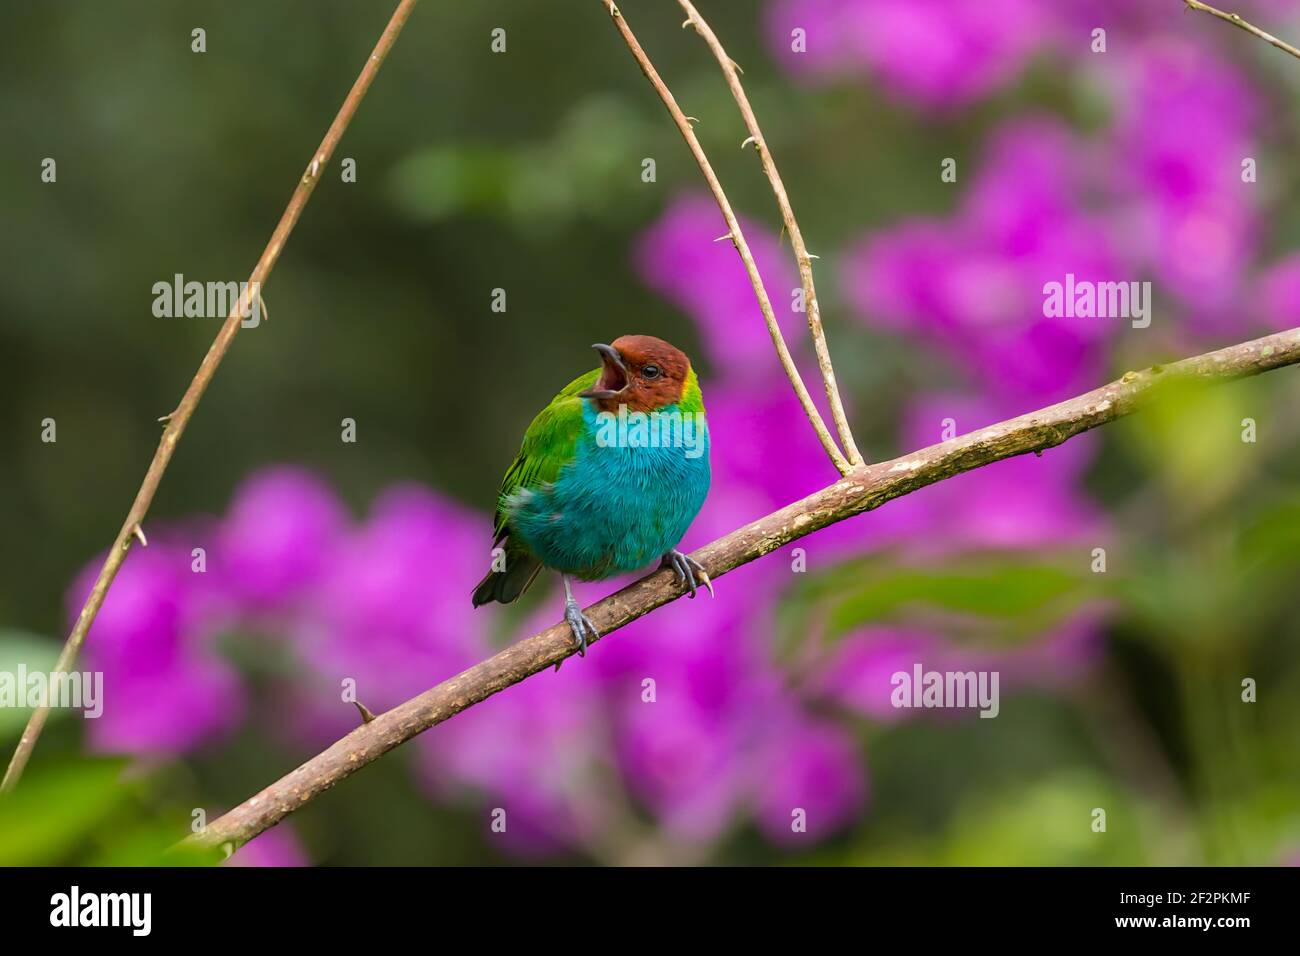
x=579 y=622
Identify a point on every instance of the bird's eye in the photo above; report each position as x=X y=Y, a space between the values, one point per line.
x=651 y=371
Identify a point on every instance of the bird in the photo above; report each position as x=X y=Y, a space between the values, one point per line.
x=608 y=479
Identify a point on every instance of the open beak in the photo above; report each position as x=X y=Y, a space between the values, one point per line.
x=613 y=376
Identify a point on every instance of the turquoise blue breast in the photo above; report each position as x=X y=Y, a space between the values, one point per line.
x=617 y=507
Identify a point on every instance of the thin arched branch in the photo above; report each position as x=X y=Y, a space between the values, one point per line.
x=801 y=255
x=735 y=234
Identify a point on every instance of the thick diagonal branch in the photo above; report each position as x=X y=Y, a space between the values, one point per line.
x=801 y=255
x=178 y=419
x=865 y=488
x=736 y=236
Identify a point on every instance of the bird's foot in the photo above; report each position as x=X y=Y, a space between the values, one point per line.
x=689 y=571
x=581 y=625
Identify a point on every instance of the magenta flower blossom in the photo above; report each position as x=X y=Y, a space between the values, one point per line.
x=754 y=426
x=536 y=754
x=165 y=692
x=945 y=54
x=938 y=54
x=859 y=673
x=983 y=311
x=688 y=771
x=168 y=714
x=814 y=782
x=722 y=735
x=688 y=709
x=1276 y=301
x=392 y=610
x=975 y=286
x=278 y=847
x=687 y=755
x=1185 y=202
x=973 y=511
x=281 y=531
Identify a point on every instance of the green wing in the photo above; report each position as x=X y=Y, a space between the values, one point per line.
x=549 y=445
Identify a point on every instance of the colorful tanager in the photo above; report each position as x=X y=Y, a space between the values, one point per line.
x=610 y=475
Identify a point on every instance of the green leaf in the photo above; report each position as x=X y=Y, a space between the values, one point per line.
x=1191 y=437
x=994 y=587
x=37 y=654
x=1048 y=822
x=985 y=598
x=56 y=809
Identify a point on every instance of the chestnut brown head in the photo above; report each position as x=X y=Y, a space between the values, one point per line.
x=641 y=372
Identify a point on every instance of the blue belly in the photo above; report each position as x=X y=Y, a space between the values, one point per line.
x=614 y=509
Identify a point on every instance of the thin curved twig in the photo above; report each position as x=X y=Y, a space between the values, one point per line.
x=1237 y=21
x=178 y=419
x=804 y=260
x=736 y=235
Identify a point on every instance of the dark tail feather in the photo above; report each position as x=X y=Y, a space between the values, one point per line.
x=504 y=586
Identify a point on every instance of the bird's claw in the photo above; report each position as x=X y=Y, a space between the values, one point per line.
x=689 y=571
x=581 y=626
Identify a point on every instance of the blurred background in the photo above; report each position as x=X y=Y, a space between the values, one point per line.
x=1123 y=585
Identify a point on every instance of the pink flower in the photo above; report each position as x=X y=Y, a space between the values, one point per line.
x=277 y=847
x=393 y=610
x=164 y=690
x=938 y=54
x=1277 y=301
x=975 y=286
x=1185 y=122
x=860 y=672
x=813 y=782
x=280 y=533
x=974 y=511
